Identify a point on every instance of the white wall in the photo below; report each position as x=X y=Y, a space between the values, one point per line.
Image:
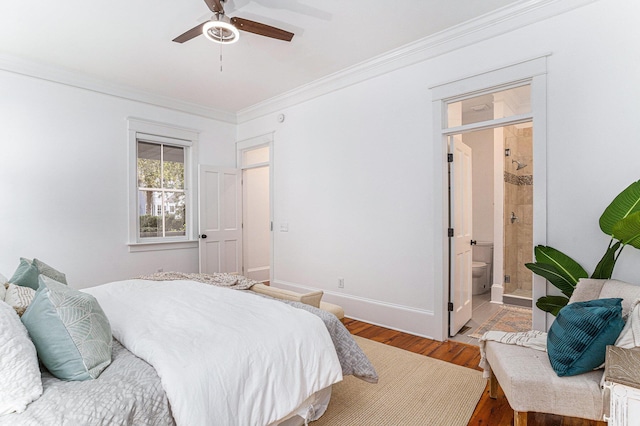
x=63 y=179
x=354 y=171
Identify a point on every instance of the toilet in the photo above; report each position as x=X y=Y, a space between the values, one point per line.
x=482 y=264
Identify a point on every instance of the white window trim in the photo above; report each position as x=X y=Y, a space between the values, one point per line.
x=171 y=135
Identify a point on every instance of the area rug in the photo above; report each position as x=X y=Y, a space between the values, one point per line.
x=413 y=389
x=508 y=318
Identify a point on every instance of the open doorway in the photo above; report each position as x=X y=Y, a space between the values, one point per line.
x=503 y=225
x=255 y=165
x=499 y=236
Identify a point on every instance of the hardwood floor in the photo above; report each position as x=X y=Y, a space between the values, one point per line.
x=491 y=412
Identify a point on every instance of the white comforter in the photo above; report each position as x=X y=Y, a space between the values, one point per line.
x=224 y=357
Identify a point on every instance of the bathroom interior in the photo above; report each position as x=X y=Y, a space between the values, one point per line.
x=517 y=219
x=502 y=221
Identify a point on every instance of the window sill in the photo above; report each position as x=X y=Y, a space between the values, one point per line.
x=162 y=245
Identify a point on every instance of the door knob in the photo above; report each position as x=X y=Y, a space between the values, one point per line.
x=203 y=236
x=474 y=242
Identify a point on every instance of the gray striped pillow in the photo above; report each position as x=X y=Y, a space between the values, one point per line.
x=49 y=271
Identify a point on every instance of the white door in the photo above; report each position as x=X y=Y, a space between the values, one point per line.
x=220 y=219
x=256 y=231
x=460 y=243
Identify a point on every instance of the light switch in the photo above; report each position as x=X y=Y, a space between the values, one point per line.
x=284 y=227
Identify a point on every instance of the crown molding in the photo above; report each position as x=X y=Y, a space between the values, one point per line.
x=500 y=21
x=37 y=70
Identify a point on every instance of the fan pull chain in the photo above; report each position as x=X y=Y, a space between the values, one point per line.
x=220 y=57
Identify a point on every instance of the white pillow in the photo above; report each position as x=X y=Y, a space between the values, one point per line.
x=630 y=335
x=20 y=381
x=3 y=281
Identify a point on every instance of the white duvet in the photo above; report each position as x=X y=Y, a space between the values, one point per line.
x=225 y=357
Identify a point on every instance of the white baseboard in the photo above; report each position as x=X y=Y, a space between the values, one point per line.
x=419 y=322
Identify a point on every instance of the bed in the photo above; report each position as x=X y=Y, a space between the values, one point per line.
x=190 y=353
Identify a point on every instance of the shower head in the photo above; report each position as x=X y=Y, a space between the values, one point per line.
x=520 y=165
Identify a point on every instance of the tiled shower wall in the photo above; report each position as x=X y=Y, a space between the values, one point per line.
x=518 y=247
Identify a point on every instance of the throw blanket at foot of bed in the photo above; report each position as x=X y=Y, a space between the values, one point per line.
x=224 y=357
x=220 y=279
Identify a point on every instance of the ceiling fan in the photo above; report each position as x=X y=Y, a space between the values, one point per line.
x=221 y=29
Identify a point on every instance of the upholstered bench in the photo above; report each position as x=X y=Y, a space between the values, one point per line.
x=313 y=298
x=530 y=383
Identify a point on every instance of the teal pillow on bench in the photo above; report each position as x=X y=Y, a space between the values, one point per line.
x=577 y=339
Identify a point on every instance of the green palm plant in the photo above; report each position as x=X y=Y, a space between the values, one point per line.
x=620 y=220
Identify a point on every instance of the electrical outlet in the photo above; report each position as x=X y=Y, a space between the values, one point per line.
x=340 y=282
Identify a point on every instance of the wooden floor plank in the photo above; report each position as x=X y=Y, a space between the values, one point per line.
x=489 y=412
x=422 y=346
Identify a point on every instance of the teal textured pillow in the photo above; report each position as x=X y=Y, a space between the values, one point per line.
x=577 y=339
x=49 y=271
x=26 y=275
x=69 y=330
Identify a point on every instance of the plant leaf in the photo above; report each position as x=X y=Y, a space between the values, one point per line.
x=627 y=202
x=566 y=266
x=552 y=304
x=627 y=230
x=604 y=269
x=551 y=273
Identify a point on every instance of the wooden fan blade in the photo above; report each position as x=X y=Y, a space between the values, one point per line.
x=192 y=33
x=261 y=29
x=214 y=5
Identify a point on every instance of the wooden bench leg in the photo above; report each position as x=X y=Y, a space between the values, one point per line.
x=493 y=386
x=519 y=418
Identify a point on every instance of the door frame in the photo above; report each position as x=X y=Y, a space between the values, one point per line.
x=531 y=71
x=253 y=143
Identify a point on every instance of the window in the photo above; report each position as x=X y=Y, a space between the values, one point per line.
x=161 y=196
x=490 y=106
x=161 y=203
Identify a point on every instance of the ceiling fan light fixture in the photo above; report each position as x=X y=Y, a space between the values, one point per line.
x=221 y=30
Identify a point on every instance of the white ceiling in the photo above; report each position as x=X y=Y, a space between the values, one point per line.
x=128 y=42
